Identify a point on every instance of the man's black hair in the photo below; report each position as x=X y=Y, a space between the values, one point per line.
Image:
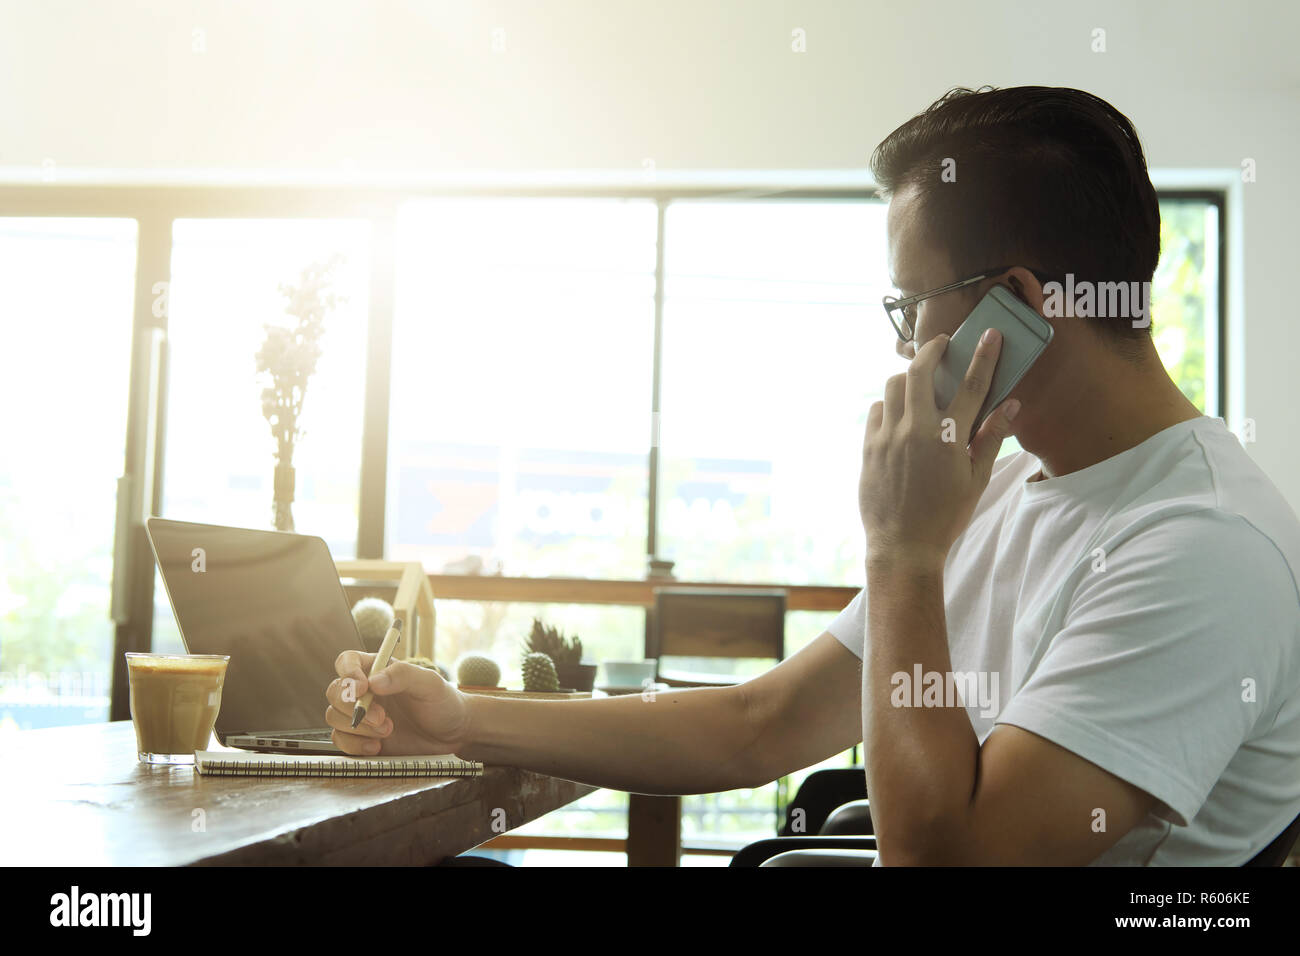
x=1046 y=177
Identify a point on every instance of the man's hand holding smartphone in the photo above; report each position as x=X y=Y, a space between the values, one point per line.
x=920 y=482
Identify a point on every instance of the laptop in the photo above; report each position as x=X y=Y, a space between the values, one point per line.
x=273 y=601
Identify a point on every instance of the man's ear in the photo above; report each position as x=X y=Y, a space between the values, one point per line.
x=1026 y=287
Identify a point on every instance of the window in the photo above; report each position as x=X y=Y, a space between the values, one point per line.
x=774 y=348
x=520 y=414
x=1185 y=299
x=66 y=294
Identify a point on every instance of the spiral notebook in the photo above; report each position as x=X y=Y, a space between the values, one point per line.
x=231 y=763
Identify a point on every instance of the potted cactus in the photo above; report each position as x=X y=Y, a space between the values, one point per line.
x=566 y=654
x=539 y=673
x=478 y=671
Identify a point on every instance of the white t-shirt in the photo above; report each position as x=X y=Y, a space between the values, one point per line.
x=1143 y=613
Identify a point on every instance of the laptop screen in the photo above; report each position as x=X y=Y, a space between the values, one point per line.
x=271 y=600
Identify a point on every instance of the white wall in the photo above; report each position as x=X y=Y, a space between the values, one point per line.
x=114 y=89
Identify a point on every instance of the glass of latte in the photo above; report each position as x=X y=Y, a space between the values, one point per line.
x=174 y=703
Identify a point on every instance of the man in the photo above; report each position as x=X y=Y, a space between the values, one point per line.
x=1125 y=586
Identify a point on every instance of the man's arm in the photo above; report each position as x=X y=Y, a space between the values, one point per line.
x=937 y=797
x=808 y=708
x=696 y=740
x=701 y=740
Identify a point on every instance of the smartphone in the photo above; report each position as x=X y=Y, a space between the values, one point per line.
x=1025 y=334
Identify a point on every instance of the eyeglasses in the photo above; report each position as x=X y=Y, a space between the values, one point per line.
x=902 y=312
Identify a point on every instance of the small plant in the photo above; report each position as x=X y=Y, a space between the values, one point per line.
x=374 y=616
x=539 y=673
x=548 y=640
x=478 y=670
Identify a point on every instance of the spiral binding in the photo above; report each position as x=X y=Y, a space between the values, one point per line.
x=335 y=768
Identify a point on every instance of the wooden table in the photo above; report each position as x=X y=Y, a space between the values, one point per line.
x=83 y=799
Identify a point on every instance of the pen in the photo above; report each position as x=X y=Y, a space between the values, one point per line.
x=381 y=661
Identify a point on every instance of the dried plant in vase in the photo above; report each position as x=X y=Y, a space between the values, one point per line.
x=289 y=354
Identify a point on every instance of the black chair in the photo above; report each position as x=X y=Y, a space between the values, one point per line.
x=819 y=796
x=833 y=805
x=829 y=812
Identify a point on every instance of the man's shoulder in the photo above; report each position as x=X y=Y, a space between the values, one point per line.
x=1212 y=506
x=1206 y=579
x=1214 y=536
x=1241 y=487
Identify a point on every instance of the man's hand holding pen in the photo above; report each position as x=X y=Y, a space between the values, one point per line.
x=414 y=711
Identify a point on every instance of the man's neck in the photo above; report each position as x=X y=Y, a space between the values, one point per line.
x=1103 y=417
